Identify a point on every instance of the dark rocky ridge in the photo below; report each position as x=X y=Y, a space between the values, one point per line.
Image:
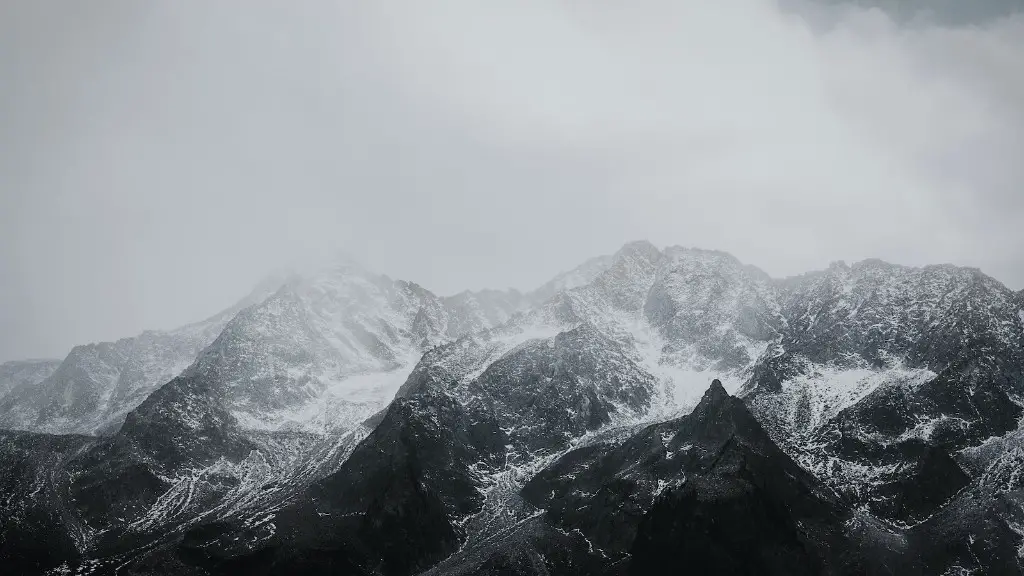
x=397 y=504
x=37 y=530
x=710 y=487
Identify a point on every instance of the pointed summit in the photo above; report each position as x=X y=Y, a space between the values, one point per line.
x=716 y=413
x=715 y=393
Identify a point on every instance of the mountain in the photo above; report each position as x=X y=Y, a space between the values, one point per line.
x=710 y=486
x=469 y=312
x=651 y=411
x=579 y=276
x=327 y=350
x=16 y=373
x=96 y=385
x=273 y=403
x=92 y=390
x=882 y=365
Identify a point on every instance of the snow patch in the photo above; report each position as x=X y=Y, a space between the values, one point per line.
x=342 y=405
x=811 y=400
x=682 y=380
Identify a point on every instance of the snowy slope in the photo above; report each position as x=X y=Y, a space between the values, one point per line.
x=684 y=316
x=97 y=384
x=331 y=348
x=579 y=276
x=468 y=312
x=16 y=373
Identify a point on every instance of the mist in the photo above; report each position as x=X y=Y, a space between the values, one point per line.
x=158 y=159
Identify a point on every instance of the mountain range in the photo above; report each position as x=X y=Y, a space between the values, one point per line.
x=651 y=411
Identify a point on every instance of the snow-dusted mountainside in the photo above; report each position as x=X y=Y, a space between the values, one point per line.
x=649 y=408
x=273 y=403
x=645 y=302
x=327 y=350
x=468 y=312
x=96 y=385
x=579 y=276
x=92 y=390
x=881 y=362
x=14 y=374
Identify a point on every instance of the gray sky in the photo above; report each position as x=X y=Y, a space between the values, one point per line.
x=159 y=158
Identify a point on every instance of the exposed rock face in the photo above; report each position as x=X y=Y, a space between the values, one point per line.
x=36 y=531
x=394 y=506
x=710 y=485
x=708 y=304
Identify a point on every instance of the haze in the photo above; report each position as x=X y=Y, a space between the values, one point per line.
x=158 y=159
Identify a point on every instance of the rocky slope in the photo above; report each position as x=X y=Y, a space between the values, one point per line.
x=884 y=365
x=651 y=408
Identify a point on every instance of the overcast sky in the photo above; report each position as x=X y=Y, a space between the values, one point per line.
x=158 y=158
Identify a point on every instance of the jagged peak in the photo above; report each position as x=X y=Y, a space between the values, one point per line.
x=715 y=394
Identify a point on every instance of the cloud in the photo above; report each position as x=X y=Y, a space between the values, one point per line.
x=865 y=138
x=161 y=158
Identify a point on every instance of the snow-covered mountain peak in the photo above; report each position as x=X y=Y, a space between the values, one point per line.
x=327 y=350
x=681 y=318
x=283 y=354
x=873 y=310
x=624 y=284
x=715 y=306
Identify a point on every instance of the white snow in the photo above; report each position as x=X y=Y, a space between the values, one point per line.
x=825 y=391
x=682 y=380
x=342 y=404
